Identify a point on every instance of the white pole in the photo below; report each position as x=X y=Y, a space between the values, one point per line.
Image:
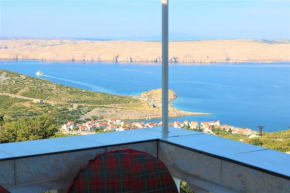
x=165 y=66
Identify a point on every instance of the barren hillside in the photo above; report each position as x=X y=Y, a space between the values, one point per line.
x=210 y=51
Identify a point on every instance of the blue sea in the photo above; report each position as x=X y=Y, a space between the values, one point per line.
x=242 y=95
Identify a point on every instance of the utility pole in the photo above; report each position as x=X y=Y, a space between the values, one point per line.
x=261 y=130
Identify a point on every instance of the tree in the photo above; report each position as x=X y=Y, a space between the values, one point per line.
x=28 y=128
x=188 y=126
x=1 y=120
x=256 y=141
x=88 y=119
x=94 y=117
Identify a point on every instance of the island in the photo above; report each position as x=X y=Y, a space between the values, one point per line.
x=148 y=52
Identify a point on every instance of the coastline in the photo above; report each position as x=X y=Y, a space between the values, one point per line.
x=21 y=67
x=148 y=53
x=150 y=106
x=147 y=105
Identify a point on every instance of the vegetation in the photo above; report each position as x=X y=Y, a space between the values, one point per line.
x=279 y=141
x=26 y=86
x=25 y=117
x=25 y=96
x=28 y=128
x=184 y=188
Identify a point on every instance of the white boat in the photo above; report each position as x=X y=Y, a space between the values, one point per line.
x=39 y=73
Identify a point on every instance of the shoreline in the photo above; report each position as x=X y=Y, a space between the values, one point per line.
x=184 y=52
x=150 y=106
x=146 y=62
x=235 y=64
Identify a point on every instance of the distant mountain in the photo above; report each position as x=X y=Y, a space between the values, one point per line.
x=172 y=37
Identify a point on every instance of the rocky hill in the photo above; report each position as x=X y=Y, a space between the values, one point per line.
x=22 y=95
x=154 y=97
x=190 y=52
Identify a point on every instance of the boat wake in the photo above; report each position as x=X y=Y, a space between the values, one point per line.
x=91 y=86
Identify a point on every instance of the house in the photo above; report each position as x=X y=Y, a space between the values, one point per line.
x=178 y=124
x=226 y=127
x=248 y=131
x=108 y=128
x=90 y=126
x=101 y=124
x=211 y=123
x=240 y=131
x=134 y=127
x=83 y=128
x=111 y=120
x=234 y=131
x=125 y=128
x=68 y=126
x=153 y=124
x=64 y=127
x=113 y=127
x=193 y=124
x=122 y=123
x=120 y=129
x=117 y=121
x=137 y=124
x=207 y=129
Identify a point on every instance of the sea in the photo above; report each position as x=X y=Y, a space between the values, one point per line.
x=241 y=95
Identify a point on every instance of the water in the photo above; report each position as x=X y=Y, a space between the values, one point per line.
x=244 y=95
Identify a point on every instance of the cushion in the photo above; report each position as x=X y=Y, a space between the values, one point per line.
x=124 y=171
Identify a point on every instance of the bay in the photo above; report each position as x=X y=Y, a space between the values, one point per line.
x=242 y=95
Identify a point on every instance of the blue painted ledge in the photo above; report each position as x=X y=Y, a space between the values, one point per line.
x=256 y=157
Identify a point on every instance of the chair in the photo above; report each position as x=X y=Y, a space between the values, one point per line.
x=3 y=190
x=123 y=171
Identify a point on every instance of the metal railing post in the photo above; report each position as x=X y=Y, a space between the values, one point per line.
x=165 y=66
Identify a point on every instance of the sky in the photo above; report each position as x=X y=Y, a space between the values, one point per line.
x=141 y=19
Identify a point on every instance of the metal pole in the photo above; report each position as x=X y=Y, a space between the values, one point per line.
x=261 y=131
x=165 y=66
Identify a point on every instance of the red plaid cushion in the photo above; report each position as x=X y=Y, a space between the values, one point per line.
x=2 y=190
x=124 y=171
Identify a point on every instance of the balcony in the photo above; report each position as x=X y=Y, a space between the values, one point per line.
x=206 y=162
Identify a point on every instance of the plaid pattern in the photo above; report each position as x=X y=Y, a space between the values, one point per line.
x=2 y=190
x=124 y=171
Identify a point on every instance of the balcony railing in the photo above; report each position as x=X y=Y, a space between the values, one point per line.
x=206 y=162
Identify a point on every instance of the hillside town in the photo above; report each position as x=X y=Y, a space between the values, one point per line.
x=116 y=124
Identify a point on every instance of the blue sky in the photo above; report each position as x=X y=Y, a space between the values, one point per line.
x=117 y=19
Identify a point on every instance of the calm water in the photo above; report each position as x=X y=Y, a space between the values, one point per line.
x=244 y=95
